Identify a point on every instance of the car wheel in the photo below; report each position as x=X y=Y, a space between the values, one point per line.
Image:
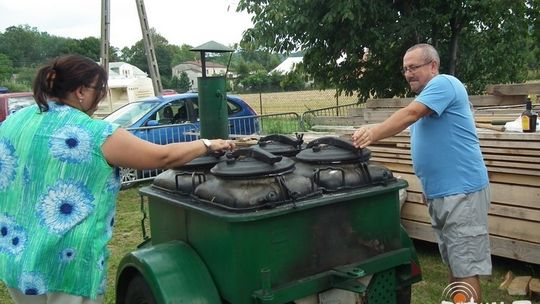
x=128 y=177
x=138 y=292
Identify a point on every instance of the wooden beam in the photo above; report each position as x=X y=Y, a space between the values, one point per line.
x=500 y=246
x=513 y=89
x=498 y=225
x=514 y=179
x=517 y=205
x=388 y=103
x=491 y=100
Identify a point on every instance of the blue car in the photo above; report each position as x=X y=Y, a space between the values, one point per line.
x=175 y=118
x=157 y=119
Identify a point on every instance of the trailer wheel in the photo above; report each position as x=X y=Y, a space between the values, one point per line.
x=403 y=295
x=138 y=292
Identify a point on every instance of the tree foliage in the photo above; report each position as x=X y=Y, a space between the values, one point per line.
x=358 y=46
x=6 y=67
x=136 y=55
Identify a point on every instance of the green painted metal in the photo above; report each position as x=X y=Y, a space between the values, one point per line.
x=381 y=287
x=173 y=271
x=292 y=251
x=212 y=47
x=343 y=277
x=213 y=110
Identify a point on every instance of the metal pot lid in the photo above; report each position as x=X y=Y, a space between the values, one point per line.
x=331 y=149
x=206 y=161
x=281 y=144
x=252 y=162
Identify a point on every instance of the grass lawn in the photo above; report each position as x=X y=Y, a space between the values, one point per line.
x=128 y=235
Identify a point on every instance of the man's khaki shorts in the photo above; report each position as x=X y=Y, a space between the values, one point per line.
x=460 y=222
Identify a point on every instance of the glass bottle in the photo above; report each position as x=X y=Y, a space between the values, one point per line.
x=528 y=118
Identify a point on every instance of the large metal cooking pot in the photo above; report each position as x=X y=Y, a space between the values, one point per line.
x=186 y=178
x=283 y=145
x=251 y=178
x=335 y=164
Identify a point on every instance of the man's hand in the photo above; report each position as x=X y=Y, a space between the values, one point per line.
x=362 y=137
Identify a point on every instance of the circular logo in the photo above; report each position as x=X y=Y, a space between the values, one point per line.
x=459 y=292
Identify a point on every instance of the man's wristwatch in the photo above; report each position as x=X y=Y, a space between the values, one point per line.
x=207 y=143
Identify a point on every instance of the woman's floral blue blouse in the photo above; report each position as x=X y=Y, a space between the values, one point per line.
x=57 y=201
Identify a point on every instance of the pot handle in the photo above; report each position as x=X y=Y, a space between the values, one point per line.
x=332 y=141
x=282 y=139
x=363 y=154
x=256 y=153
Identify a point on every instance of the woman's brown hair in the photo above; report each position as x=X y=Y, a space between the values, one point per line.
x=64 y=75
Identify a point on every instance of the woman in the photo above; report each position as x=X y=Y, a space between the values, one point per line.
x=58 y=184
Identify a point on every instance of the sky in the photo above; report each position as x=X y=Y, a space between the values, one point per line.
x=191 y=22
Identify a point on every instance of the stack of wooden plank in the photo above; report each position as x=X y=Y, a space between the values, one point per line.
x=487 y=108
x=513 y=162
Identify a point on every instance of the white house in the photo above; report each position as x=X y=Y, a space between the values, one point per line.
x=288 y=65
x=193 y=69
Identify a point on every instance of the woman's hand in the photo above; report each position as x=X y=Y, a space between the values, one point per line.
x=220 y=145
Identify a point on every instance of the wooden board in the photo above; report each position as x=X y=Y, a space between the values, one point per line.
x=520 y=213
x=513 y=89
x=500 y=246
x=476 y=100
x=498 y=225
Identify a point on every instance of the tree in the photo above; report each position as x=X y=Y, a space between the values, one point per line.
x=22 y=45
x=184 y=84
x=6 y=67
x=183 y=54
x=293 y=81
x=358 y=46
x=136 y=55
x=89 y=47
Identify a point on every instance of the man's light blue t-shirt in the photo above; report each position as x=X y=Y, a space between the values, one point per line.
x=444 y=145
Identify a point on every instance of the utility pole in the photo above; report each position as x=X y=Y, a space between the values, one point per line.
x=149 y=49
x=105 y=34
x=105 y=38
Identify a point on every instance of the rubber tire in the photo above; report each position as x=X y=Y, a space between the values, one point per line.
x=138 y=292
x=403 y=295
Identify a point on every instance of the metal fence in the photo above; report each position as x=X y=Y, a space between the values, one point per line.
x=309 y=117
x=297 y=101
x=283 y=123
x=164 y=134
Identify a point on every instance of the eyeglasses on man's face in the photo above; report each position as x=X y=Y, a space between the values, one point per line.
x=413 y=68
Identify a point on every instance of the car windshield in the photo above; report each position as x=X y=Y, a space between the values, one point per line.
x=17 y=103
x=130 y=113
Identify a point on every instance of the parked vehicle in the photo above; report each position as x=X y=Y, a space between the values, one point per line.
x=175 y=118
x=177 y=109
x=12 y=102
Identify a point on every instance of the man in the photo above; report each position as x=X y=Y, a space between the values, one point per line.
x=447 y=159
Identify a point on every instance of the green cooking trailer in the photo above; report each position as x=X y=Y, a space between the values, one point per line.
x=201 y=253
